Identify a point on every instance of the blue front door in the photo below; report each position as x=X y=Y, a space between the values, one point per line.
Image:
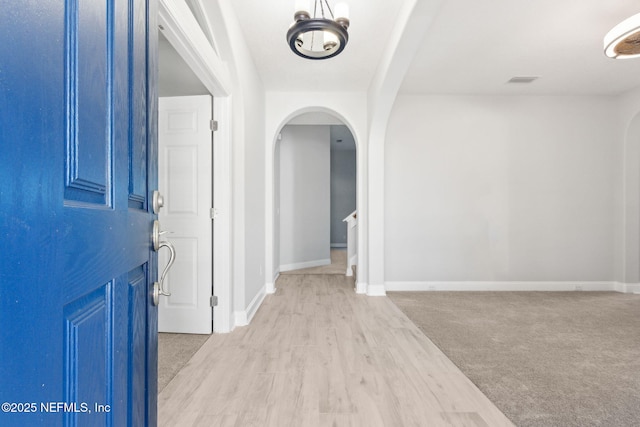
x=78 y=163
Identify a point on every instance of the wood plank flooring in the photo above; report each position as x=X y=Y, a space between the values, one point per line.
x=317 y=354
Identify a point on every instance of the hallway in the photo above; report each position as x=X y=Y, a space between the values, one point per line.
x=318 y=354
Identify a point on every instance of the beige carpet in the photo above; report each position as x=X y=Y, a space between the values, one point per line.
x=174 y=351
x=338 y=265
x=557 y=359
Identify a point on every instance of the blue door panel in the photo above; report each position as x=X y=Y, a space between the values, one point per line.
x=88 y=81
x=78 y=150
x=137 y=348
x=88 y=357
x=30 y=170
x=138 y=152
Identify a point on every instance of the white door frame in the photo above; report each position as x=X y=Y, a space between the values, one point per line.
x=182 y=30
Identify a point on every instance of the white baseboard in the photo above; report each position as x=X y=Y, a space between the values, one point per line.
x=307 y=264
x=338 y=245
x=502 y=286
x=376 y=291
x=240 y=318
x=243 y=318
x=628 y=288
x=361 y=288
x=270 y=287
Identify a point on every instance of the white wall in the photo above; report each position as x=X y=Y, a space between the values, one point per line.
x=276 y=213
x=254 y=193
x=628 y=196
x=413 y=23
x=304 y=197
x=248 y=154
x=501 y=189
x=343 y=182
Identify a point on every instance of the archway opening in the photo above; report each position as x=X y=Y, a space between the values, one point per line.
x=315 y=189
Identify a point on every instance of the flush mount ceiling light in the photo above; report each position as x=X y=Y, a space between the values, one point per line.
x=623 y=41
x=322 y=36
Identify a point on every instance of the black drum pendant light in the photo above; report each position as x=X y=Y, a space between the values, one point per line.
x=322 y=36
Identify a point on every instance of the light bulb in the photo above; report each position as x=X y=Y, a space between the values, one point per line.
x=302 y=6
x=330 y=40
x=341 y=11
x=342 y=15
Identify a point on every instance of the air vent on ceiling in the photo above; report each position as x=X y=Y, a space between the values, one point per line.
x=522 y=79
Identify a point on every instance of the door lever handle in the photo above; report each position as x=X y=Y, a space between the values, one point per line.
x=158 y=287
x=172 y=259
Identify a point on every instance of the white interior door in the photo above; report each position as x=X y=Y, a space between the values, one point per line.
x=185 y=181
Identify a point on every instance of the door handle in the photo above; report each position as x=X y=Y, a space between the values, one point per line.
x=172 y=259
x=158 y=287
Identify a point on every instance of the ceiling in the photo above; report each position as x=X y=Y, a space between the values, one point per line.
x=265 y=24
x=473 y=47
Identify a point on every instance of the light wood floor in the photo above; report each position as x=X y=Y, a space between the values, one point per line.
x=317 y=354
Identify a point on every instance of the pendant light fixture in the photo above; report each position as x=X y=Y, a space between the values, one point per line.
x=322 y=35
x=623 y=41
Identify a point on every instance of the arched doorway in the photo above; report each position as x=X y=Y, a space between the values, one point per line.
x=316 y=180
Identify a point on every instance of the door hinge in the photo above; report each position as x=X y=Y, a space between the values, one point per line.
x=213 y=124
x=213 y=213
x=213 y=301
